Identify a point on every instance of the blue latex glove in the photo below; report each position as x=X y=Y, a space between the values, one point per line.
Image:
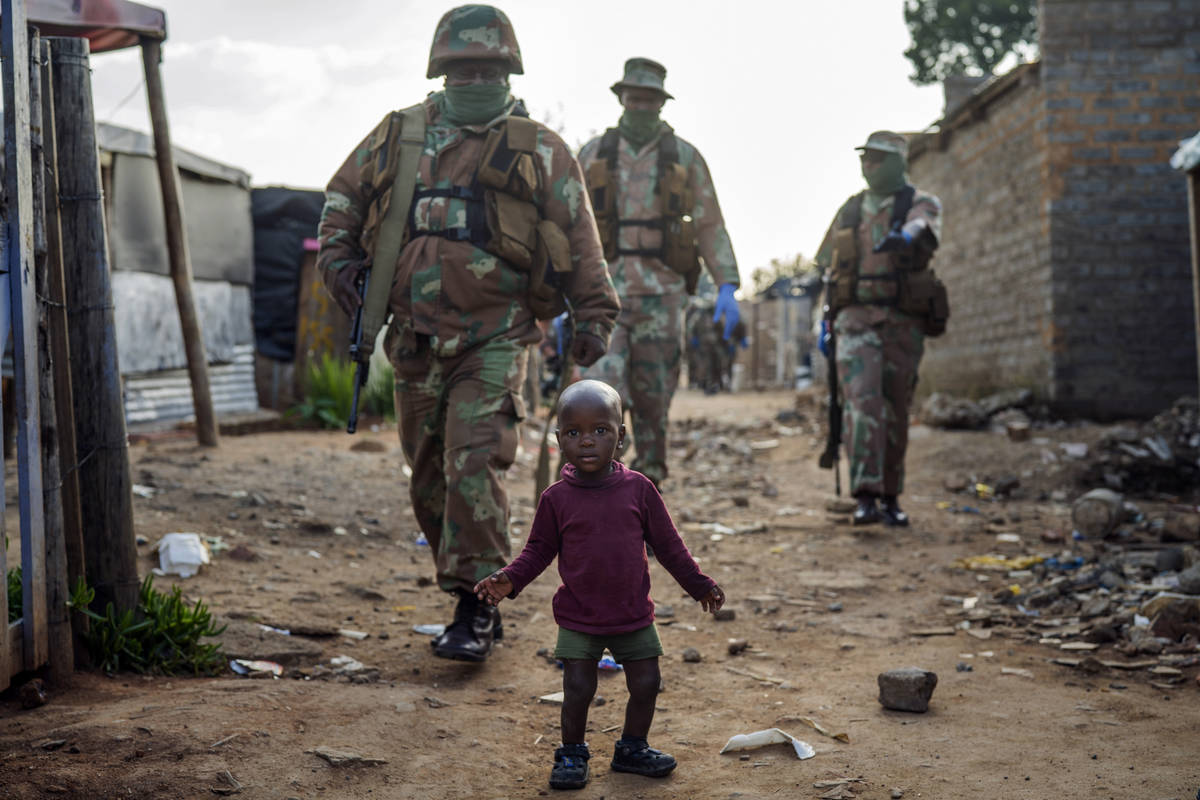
x=559 y=324
x=823 y=339
x=727 y=305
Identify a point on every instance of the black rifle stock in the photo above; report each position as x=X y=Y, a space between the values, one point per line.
x=829 y=458
x=361 y=359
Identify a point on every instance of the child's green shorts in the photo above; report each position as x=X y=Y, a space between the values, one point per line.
x=632 y=646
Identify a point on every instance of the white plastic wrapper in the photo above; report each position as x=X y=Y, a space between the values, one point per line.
x=750 y=741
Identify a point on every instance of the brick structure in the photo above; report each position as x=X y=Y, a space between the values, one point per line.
x=1066 y=245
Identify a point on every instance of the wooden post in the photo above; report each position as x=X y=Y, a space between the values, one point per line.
x=177 y=250
x=1193 y=178
x=103 y=466
x=19 y=191
x=60 y=358
x=60 y=648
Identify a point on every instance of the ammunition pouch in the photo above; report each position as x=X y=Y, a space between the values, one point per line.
x=923 y=295
x=843 y=275
x=603 y=192
x=679 y=229
x=551 y=262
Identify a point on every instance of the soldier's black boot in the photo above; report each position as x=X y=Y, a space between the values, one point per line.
x=470 y=636
x=892 y=515
x=866 y=512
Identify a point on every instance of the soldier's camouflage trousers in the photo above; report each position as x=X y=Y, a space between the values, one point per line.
x=642 y=363
x=459 y=425
x=878 y=352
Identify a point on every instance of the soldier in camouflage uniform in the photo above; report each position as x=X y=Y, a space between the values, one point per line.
x=878 y=346
x=659 y=218
x=461 y=317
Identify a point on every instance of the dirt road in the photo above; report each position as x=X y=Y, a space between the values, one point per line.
x=316 y=537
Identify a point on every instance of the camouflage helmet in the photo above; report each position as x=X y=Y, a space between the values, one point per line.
x=887 y=142
x=642 y=73
x=476 y=31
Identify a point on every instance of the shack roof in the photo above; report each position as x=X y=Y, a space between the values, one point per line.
x=118 y=139
x=106 y=24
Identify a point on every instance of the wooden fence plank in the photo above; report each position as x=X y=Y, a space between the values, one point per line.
x=19 y=191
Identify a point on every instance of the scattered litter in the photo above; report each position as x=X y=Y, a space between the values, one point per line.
x=421 y=540
x=314 y=554
x=356 y=635
x=751 y=741
x=1018 y=671
x=608 y=664
x=144 y=491
x=821 y=729
x=998 y=563
x=181 y=554
x=246 y=667
x=554 y=698
x=430 y=629
x=281 y=631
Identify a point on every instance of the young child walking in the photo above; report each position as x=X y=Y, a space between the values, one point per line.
x=598 y=520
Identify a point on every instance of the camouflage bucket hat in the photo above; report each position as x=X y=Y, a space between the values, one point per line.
x=482 y=32
x=642 y=73
x=887 y=142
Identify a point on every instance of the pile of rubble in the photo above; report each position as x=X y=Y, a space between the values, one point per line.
x=1013 y=410
x=1127 y=600
x=1157 y=458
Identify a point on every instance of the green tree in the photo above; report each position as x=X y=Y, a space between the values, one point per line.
x=967 y=37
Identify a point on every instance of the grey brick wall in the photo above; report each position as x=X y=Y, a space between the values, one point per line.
x=1123 y=337
x=1066 y=235
x=995 y=253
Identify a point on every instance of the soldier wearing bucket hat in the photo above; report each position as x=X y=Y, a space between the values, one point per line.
x=881 y=300
x=409 y=211
x=659 y=222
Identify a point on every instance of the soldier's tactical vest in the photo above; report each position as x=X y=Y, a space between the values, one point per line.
x=676 y=201
x=919 y=291
x=503 y=217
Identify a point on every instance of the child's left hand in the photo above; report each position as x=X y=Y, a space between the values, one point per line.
x=713 y=600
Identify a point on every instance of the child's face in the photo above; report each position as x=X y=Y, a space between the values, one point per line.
x=589 y=434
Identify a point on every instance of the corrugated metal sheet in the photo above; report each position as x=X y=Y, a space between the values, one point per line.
x=166 y=395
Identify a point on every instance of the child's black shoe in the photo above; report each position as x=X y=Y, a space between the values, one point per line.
x=570 y=767
x=638 y=757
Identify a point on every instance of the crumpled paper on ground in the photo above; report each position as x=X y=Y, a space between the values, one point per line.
x=750 y=741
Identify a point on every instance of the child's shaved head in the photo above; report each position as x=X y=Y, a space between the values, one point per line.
x=591 y=393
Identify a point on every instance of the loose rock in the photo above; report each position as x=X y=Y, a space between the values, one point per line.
x=906 y=689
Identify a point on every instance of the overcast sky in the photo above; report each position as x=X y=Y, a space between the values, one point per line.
x=775 y=95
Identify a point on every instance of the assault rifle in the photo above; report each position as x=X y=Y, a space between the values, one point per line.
x=361 y=359
x=829 y=458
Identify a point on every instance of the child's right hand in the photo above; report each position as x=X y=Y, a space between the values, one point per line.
x=494 y=588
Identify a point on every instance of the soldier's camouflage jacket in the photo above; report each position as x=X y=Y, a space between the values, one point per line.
x=452 y=291
x=637 y=177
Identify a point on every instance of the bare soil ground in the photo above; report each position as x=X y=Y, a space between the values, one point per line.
x=823 y=606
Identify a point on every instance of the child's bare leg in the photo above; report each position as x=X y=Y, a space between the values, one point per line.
x=642 y=678
x=579 y=687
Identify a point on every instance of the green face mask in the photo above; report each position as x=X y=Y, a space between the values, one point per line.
x=639 y=127
x=888 y=177
x=475 y=103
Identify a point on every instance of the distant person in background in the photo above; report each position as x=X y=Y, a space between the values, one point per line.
x=659 y=219
x=881 y=301
x=596 y=521
x=466 y=289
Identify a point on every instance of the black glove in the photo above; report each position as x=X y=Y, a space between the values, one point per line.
x=587 y=348
x=345 y=288
x=895 y=241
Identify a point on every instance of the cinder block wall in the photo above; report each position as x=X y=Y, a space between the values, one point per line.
x=1122 y=87
x=988 y=165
